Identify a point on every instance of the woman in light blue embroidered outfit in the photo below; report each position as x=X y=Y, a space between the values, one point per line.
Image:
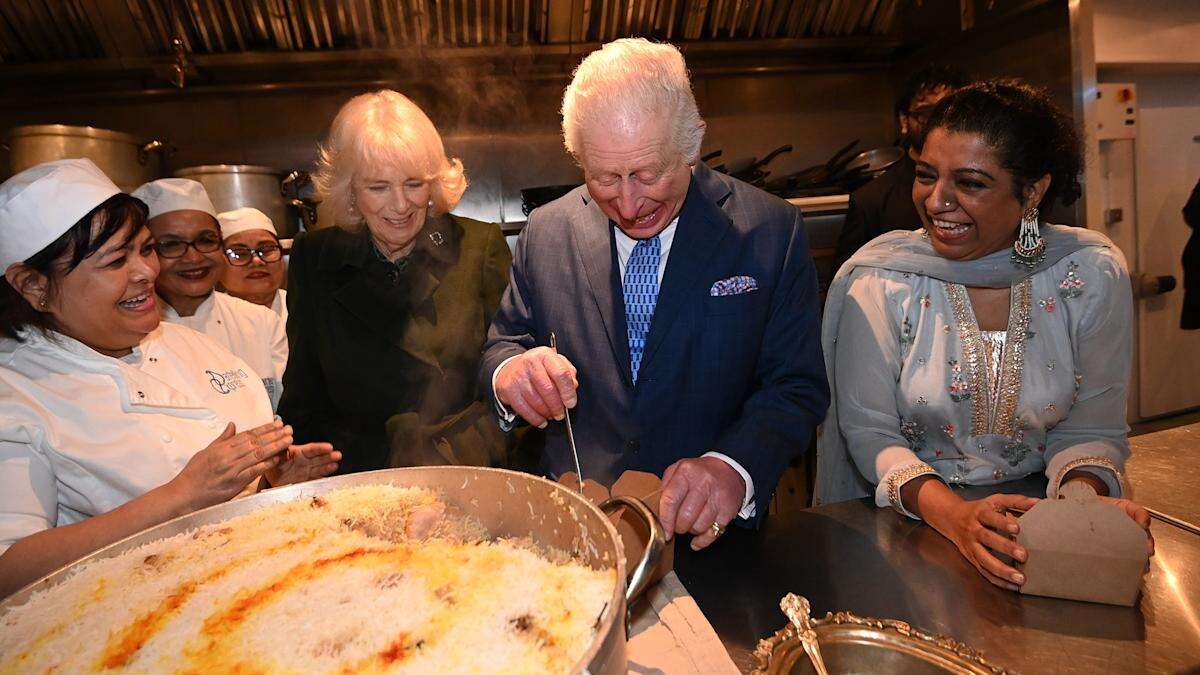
x=979 y=350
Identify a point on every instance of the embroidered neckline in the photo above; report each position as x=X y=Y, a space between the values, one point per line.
x=986 y=419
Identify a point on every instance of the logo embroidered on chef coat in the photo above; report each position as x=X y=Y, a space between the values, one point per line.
x=227 y=381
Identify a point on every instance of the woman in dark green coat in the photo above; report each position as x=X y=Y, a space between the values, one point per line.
x=388 y=311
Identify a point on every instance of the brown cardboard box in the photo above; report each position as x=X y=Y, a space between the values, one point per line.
x=593 y=491
x=634 y=534
x=1082 y=548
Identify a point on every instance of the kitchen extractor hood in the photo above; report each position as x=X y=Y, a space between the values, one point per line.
x=181 y=43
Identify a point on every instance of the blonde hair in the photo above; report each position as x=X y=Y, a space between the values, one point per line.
x=385 y=128
x=633 y=78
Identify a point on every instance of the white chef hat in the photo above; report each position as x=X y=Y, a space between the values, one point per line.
x=243 y=219
x=175 y=194
x=39 y=205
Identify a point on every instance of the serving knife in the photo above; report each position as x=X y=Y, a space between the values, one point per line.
x=567 y=420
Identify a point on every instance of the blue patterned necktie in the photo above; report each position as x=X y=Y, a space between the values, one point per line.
x=641 y=293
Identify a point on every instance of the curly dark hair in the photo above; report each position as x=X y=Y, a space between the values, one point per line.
x=1029 y=133
x=64 y=254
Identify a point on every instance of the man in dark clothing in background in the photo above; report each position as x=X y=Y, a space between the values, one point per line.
x=885 y=204
x=1191 y=264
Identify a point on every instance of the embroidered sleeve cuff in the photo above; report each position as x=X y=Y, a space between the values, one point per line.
x=507 y=419
x=1101 y=467
x=887 y=493
x=748 y=509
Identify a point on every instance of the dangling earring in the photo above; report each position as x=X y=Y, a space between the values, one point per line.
x=42 y=304
x=1029 y=249
x=353 y=203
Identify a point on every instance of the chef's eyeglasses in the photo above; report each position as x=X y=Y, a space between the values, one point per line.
x=177 y=248
x=243 y=255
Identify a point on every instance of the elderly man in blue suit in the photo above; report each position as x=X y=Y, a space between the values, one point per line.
x=684 y=303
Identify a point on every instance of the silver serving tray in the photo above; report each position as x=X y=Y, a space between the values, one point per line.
x=857 y=644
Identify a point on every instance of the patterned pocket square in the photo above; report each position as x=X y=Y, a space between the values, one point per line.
x=733 y=286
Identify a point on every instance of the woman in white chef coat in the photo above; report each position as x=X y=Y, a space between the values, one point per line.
x=191 y=258
x=111 y=421
x=255 y=271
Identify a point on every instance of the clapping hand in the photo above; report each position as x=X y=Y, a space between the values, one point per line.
x=304 y=462
x=227 y=465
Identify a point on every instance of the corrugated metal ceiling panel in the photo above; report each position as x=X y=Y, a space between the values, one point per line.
x=33 y=31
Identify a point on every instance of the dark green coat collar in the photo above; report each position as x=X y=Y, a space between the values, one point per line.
x=440 y=239
x=347 y=256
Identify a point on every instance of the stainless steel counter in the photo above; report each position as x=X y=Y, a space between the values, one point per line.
x=853 y=556
x=1165 y=472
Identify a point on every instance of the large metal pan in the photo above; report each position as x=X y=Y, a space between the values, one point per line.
x=874 y=161
x=507 y=503
x=232 y=186
x=127 y=159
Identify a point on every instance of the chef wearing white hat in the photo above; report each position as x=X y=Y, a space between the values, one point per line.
x=184 y=224
x=110 y=421
x=255 y=271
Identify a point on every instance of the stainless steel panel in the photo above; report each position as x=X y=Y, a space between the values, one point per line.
x=39 y=31
x=370 y=36
x=201 y=21
x=296 y=22
x=235 y=20
x=884 y=17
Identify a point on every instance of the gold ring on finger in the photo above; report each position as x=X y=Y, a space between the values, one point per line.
x=717 y=529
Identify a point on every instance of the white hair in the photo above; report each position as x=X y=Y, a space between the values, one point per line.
x=385 y=129
x=632 y=79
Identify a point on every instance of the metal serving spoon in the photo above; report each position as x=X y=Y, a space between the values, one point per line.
x=798 y=611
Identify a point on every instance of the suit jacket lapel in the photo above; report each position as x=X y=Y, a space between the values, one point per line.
x=702 y=225
x=593 y=238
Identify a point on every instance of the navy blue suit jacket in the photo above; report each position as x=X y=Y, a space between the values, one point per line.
x=739 y=374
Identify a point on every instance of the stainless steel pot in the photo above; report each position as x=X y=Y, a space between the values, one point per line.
x=232 y=186
x=507 y=503
x=127 y=159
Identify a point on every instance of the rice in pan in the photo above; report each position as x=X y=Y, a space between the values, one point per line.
x=363 y=579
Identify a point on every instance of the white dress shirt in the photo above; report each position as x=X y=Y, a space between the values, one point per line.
x=625 y=245
x=82 y=433
x=254 y=333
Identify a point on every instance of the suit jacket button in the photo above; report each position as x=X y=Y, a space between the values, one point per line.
x=632 y=446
